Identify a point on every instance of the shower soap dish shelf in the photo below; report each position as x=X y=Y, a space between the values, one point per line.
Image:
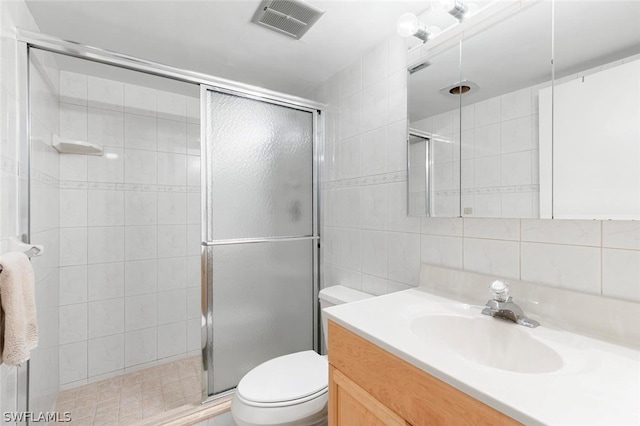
x=68 y=146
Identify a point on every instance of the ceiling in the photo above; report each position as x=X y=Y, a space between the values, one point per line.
x=517 y=52
x=216 y=37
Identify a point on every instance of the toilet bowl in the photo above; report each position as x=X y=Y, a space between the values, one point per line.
x=290 y=390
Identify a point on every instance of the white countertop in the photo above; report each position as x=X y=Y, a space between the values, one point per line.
x=598 y=383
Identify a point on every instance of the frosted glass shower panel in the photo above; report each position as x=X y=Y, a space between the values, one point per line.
x=260 y=175
x=262 y=297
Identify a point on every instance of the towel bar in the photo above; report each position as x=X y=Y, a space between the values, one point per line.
x=31 y=250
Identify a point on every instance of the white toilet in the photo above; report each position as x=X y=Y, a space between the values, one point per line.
x=290 y=390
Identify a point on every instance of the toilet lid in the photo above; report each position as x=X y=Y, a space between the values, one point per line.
x=286 y=378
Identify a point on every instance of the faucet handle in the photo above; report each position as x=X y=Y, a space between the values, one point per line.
x=500 y=290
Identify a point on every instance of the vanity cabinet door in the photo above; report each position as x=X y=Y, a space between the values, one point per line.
x=350 y=405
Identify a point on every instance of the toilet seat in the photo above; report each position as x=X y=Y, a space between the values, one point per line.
x=285 y=381
x=283 y=403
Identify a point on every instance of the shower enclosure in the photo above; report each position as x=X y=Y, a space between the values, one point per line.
x=161 y=284
x=117 y=206
x=259 y=234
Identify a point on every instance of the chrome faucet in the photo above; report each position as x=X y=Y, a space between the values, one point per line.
x=502 y=306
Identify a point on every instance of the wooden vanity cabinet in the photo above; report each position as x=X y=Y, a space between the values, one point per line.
x=354 y=406
x=370 y=386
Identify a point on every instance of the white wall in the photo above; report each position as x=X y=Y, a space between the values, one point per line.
x=369 y=243
x=129 y=228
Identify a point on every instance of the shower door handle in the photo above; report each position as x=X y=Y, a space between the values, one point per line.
x=258 y=240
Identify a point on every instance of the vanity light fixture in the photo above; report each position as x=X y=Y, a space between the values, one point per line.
x=456 y=8
x=409 y=25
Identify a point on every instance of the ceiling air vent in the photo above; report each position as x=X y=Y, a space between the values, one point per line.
x=289 y=17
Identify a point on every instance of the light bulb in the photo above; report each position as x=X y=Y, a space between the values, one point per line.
x=437 y=6
x=447 y=5
x=408 y=24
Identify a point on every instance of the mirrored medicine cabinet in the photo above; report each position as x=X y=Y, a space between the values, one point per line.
x=537 y=116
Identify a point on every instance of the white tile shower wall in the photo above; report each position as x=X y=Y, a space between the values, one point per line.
x=369 y=242
x=129 y=234
x=44 y=221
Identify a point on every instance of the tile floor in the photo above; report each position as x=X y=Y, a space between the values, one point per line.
x=133 y=397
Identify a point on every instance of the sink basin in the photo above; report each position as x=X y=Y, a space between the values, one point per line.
x=488 y=341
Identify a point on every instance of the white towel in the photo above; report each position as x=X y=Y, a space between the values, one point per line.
x=18 y=325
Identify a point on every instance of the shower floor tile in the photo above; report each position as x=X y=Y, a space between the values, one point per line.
x=134 y=397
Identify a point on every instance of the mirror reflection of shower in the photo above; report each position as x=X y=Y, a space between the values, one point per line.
x=418 y=173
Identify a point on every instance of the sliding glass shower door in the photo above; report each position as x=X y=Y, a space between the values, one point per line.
x=259 y=233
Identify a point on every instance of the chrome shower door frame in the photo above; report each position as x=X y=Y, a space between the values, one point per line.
x=24 y=193
x=207 y=293
x=29 y=39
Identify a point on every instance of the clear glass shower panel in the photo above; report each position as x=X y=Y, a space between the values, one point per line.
x=260 y=158
x=262 y=299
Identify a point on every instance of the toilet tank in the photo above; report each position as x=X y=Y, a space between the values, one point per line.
x=337 y=295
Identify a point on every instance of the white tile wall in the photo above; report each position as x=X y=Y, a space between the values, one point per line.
x=366 y=201
x=105 y=127
x=105 y=281
x=172 y=136
x=574 y=267
x=105 y=94
x=108 y=168
x=141 y=277
x=172 y=273
x=140 y=132
x=105 y=355
x=442 y=250
x=73 y=246
x=374 y=252
x=172 y=339
x=73 y=362
x=73 y=285
x=621 y=273
x=140 y=100
x=141 y=346
x=141 y=312
x=73 y=323
x=107 y=244
x=495 y=257
x=106 y=317
x=140 y=166
x=129 y=238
